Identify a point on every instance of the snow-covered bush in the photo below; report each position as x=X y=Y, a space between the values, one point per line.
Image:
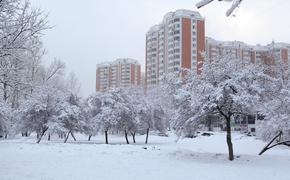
x=276 y=115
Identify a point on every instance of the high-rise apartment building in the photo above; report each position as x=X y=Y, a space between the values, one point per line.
x=245 y=52
x=120 y=73
x=271 y=54
x=175 y=43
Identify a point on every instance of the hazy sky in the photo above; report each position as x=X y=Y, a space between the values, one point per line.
x=91 y=31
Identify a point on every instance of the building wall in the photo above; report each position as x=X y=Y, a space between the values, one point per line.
x=98 y=85
x=200 y=44
x=151 y=56
x=186 y=43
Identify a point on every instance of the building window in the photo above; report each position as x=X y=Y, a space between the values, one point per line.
x=176 y=20
x=176 y=38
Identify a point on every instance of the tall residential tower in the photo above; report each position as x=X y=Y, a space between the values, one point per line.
x=178 y=42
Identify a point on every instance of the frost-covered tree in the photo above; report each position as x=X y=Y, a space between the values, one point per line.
x=170 y=87
x=159 y=119
x=276 y=117
x=32 y=91
x=162 y=103
x=145 y=117
x=91 y=108
x=113 y=112
x=40 y=110
x=150 y=112
x=226 y=87
x=20 y=28
x=134 y=97
x=185 y=126
x=70 y=117
x=6 y=119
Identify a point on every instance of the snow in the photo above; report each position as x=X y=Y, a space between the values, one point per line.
x=203 y=3
x=235 y=4
x=117 y=61
x=162 y=159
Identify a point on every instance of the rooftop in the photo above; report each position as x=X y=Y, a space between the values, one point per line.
x=176 y=14
x=117 y=61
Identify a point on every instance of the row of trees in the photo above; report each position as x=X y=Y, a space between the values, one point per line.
x=26 y=85
x=39 y=99
x=59 y=111
x=124 y=110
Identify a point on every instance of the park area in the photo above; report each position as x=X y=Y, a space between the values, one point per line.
x=163 y=158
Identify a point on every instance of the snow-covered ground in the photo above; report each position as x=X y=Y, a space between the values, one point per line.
x=162 y=159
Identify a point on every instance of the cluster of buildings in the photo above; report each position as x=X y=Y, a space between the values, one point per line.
x=179 y=41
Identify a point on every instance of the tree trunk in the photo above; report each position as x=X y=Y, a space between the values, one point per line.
x=229 y=139
x=126 y=137
x=133 y=137
x=62 y=135
x=66 y=138
x=48 y=137
x=89 y=137
x=41 y=135
x=5 y=94
x=147 y=134
x=210 y=124
x=73 y=136
x=6 y=135
x=106 y=137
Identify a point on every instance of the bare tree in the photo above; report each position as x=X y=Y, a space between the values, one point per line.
x=20 y=27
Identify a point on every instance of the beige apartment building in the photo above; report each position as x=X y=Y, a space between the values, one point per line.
x=120 y=73
x=174 y=44
x=245 y=52
x=271 y=54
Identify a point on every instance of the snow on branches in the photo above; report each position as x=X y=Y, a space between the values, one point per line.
x=235 y=4
x=226 y=87
x=124 y=110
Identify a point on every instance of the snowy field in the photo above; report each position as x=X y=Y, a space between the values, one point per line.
x=162 y=159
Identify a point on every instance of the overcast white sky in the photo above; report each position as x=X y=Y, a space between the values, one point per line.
x=91 y=31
